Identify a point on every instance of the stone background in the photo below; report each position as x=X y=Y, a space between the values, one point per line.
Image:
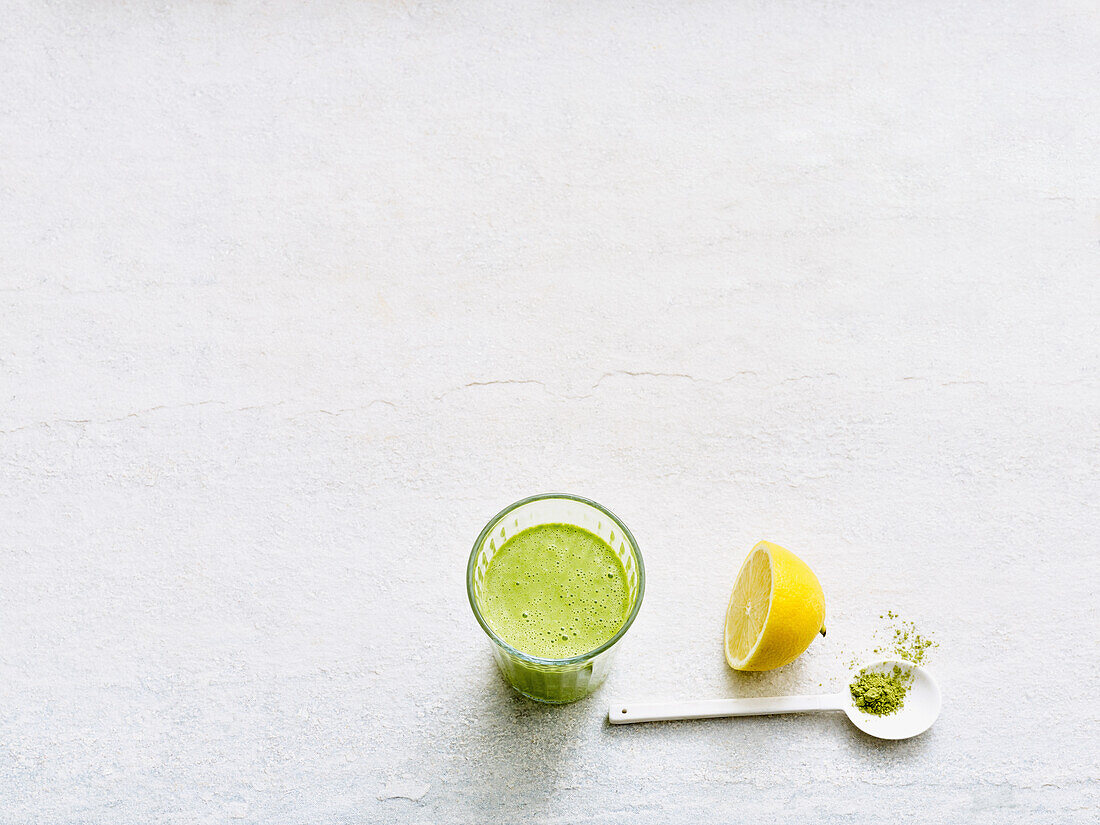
x=294 y=297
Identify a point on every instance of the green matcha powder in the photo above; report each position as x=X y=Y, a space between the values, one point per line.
x=879 y=693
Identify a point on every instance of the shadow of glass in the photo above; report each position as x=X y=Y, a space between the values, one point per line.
x=504 y=752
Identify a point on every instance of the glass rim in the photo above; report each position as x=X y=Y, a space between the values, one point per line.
x=471 y=565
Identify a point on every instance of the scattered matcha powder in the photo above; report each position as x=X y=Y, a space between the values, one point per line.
x=907 y=643
x=879 y=693
x=884 y=693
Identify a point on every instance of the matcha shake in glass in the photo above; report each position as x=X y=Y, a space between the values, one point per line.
x=556 y=581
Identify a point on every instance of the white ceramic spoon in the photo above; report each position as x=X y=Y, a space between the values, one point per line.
x=916 y=715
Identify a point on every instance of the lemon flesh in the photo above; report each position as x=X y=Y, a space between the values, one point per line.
x=776 y=609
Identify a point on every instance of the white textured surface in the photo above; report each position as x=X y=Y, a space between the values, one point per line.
x=293 y=301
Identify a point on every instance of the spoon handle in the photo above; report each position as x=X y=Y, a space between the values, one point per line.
x=624 y=713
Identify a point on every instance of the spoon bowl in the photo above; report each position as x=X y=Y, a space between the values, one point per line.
x=916 y=714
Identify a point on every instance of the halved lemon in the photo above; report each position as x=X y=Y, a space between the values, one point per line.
x=776 y=609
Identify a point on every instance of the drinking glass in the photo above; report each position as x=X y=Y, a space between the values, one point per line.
x=555 y=681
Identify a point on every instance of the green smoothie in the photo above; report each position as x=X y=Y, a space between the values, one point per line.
x=554 y=591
